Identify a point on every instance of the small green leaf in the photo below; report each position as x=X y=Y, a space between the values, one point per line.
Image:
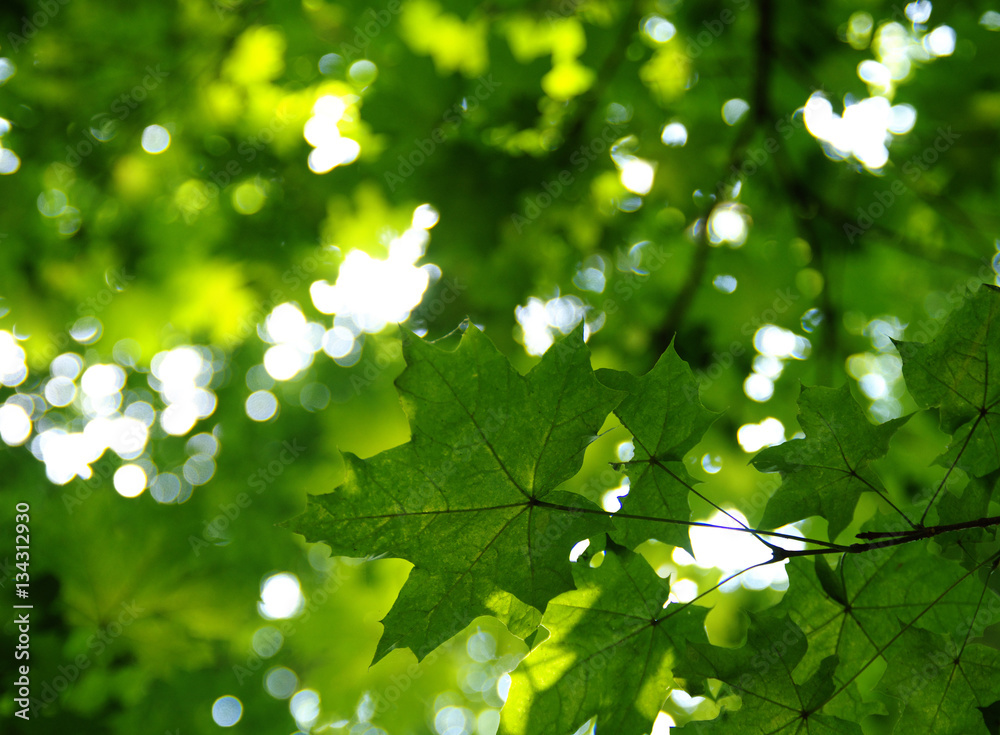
x=666 y=419
x=882 y=588
x=610 y=652
x=958 y=371
x=832 y=583
x=941 y=682
x=761 y=674
x=826 y=473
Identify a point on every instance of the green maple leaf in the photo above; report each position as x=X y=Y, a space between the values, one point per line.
x=761 y=673
x=954 y=372
x=825 y=473
x=471 y=499
x=854 y=611
x=610 y=651
x=665 y=416
x=941 y=683
x=973 y=503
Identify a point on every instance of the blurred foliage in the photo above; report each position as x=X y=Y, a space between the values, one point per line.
x=544 y=137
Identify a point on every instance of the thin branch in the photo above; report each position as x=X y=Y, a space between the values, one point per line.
x=930 y=531
x=587 y=103
x=761 y=106
x=700 y=524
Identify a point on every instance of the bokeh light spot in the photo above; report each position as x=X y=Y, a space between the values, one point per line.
x=733 y=552
x=155 y=139
x=261 y=405
x=87 y=330
x=940 y=41
x=363 y=72
x=280 y=597
x=724 y=283
x=267 y=641
x=130 y=480
x=280 y=682
x=734 y=110
x=227 y=711
x=674 y=134
x=758 y=387
x=373 y=293
x=165 y=488
x=728 y=224
x=754 y=437
x=15 y=424
x=7 y=69
x=13 y=368
x=304 y=707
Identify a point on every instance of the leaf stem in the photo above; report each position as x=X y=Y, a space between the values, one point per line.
x=948 y=473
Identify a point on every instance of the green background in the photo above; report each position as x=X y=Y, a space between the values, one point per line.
x=501 y=116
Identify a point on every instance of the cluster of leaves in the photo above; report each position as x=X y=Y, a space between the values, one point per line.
x=473 y=501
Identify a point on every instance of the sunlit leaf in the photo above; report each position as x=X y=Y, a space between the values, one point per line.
x=611 y=648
